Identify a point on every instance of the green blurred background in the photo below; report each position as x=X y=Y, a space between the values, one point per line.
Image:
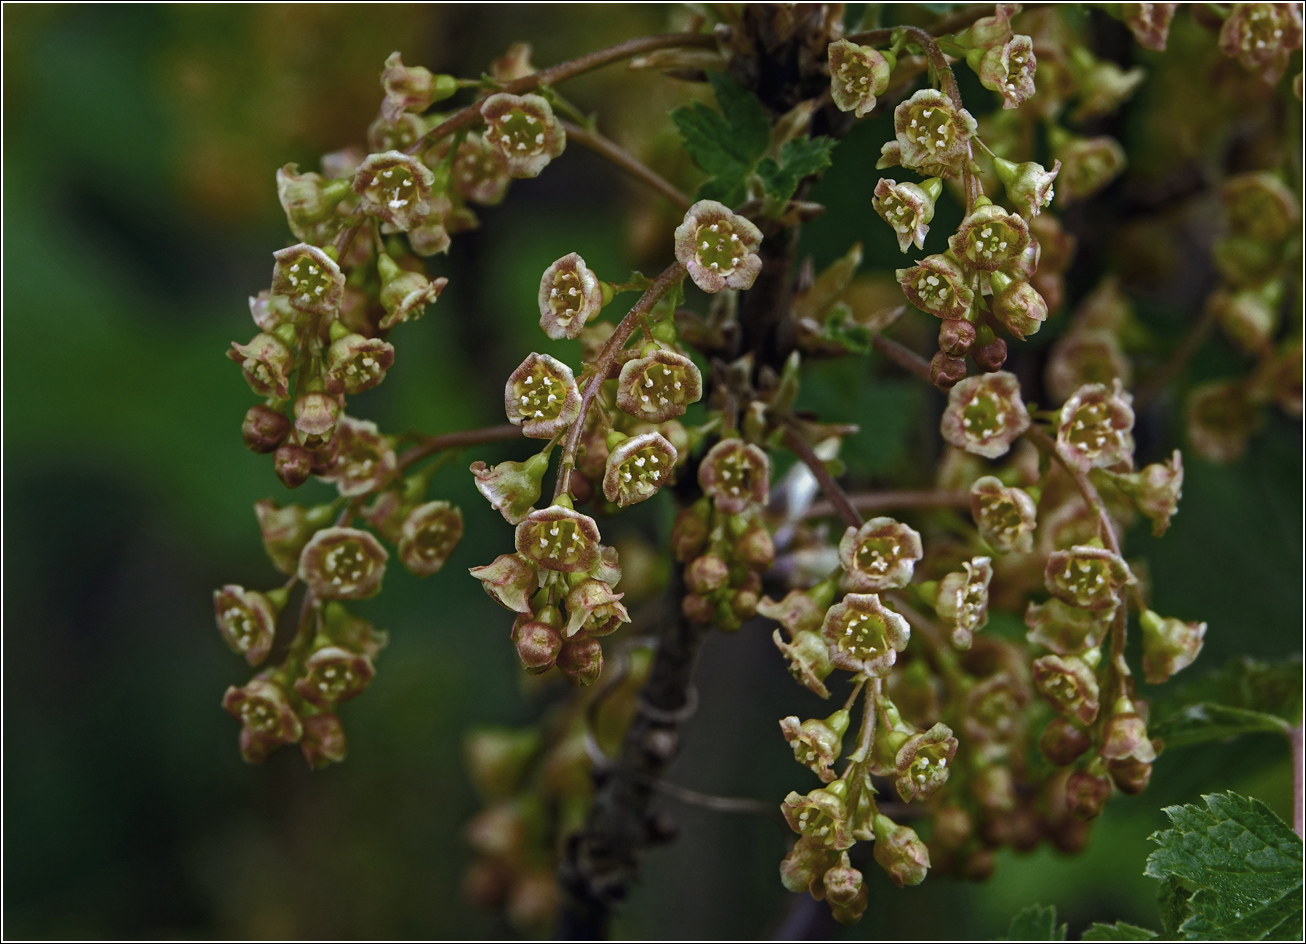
x=139 y=214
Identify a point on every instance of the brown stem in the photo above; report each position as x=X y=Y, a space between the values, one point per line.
x=611 y=151
x=837 y=496
x=467 y=437
x=1085 y=487
x=468 y=116
x=603 y=363
x=887 y=501
x=1298 y=781
x=1160 y=378
x=904 y=357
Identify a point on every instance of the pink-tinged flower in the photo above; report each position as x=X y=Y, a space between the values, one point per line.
x=608 y=569
x=394 y=187
x=570 y=295
x=346 y=629
x=1262 y=36
x=1085 y=356
x=1066 y=629
x=524 y=131
x=1156 y=490
x=343 y=564
x=1029 y=185
x=293 y=464
x=1009 y=69
x=1149 y=22
x=332 y=675
x=937 y=286
x=1063 y=742
x=718 y=248
x=308 y=278
x=1220 y=419
x=580 y=660
x=430 y=533
x=858 y=74
x=890 y=155
x=1096 y=427
x=1087 y=576
x=593 y=609
x=962 y=600
x=537 y=643
x=310 y=202
x=480 y=172
x=1006 y=517
x=430 y=237
x=880 y=555
x=1169 y=645
x=932 y=133
x=271 y=311
x=1126 y=737
x=637 y=468
x=1088 y=165
x=559 y=538
x=247 y=620
x=511 y=580
x=541 y=397
x=805 y=867
x=908 y=208
x=284 y=531
x=816 y=743
x=1068 y=684
x=512 y=488
x=821 y=816
x=405 y=294
x=365 y=460
x=864 y=635
x=658 y=386
x=316 y=415
x=985 y=414
x=995 y=707
x=990 y=238
x=808 y=656
x=411 y=88
x=922 y=763
x=900 y=852
x=1086 y=794
x=846 y=892
x=800 y=610
x=990 y=31
x=355 y=363
x=399 y=134
x=1261 y=206
x=323 y=742
x=1104 y=87
x=735 y=474
x=268 y=720
x=1018 y=306
x=266 y=363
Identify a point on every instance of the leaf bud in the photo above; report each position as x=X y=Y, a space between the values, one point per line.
x=512 y=488
x=735 y=474
x=511 y=580
x=264 y=428
x=343 y=564
x=718 y=248
x=524 y=131
x=880 y=555
x=538 y=644
x=1168 y=645
x=858 y=75
x=541 y=397
x=581 y=660
x=1063 y=742
x=985 y=414
x=863 y=635
x=1069 y=686
x=900 y=852
x=809 y=659
x=247 y=620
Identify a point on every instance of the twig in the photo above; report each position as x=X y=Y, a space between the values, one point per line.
x=1160 y=378
x=838 y=498
x=885 y=501
x=468 y=437
x=719 y=803
x=611 y=151
x=904 y=357
x=1298 y=781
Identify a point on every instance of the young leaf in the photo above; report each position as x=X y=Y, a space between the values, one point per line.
x=1238 y=864
x=1209 y=722
x=1036 y=923
x=1120 y=931
x=1242 y=697
x=799 y=158
x=725 y=144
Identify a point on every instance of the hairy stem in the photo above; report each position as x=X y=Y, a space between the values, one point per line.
x=611 y=151
x=837 y=496
x=887 y=501
x=430 y=445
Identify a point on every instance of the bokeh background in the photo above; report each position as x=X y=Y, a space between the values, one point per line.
x=140 y=213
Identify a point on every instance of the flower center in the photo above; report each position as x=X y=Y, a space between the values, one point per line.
x=394 y=187
x=718 y=247
x=346 y=564
x=932 y=129
x=308 y=278
x=520 y=133
x=984 y=416
x=541 y=395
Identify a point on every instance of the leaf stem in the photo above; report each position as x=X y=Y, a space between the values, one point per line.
x=837 y=496
x=885 y=501
x=467 y=437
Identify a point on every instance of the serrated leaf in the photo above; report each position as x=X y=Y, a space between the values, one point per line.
x=1242 y=697
x=1036 y=923
x=799 y=158
x=1120 y=931
x=724 y=144
x=1241 y=864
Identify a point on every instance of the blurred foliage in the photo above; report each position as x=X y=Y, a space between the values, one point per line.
x=139 y=209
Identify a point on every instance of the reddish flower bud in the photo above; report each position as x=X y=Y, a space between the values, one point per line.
x=1066 y=629
x=1220 y=419
x=1262 y=36
x=266 y=716
x=538 y=644
x=858 y=74
x=316 y=414
x=816 y=743
x=718 y=248
x=689 y=534
x=990 y=31
x=581 y=660
x=431 y=532
x=637 y=468
x=985 y=414
x=1126 y=737
x=1088 y=165
x=864 y=635
x=707 y=573
x=1068 y=684
x=809 y=659
x=266 y=362
x=1086 y=576
x=394 y=187
x=1008 y=69
x=1149 y=22
x=264 y=428
x=1062 y=743
x=1168 y=645
x=922 y=763
x=846 y=892
x=308 y=278
x=937 y=286
x=1006 y=517
x=932 y=133
x=559 y=538
x=411 y=88
x=323 y=742
x=900 y=852
x=698 y=608
x=334 y=674
x=293 y=465
x=593 y=609
x=880 y=555
x=1018 y=306
x=1131 y=775
x=541 y=397
x=991 y=356
x=990 y=238
x=755 y=548
x=343 y=564
x=962 y=600
x=247 y=620
x=956 y=337
x=908 y=208
x=524 y=131
x=821 y=817
x=510 y=581
x=805 y=867
x=1096 y=427
x=570 y=295
x=1086 y=795
x=946 y=372
x=735 y=474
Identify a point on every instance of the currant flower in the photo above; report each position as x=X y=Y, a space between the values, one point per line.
x=800 y=610
x=266 y=718
x=316 y=415
x=990 y=238
x=480 y=172
x=570 y=295
x=1096 y=427
x=1028 y=185
x=411 y=88
x=524 y=131
x=1068 y=684
x=1086 y=794
x=430 y=533
x=593 y=609
x=324 y=741
x=809 y=659
x=285 y=531
x=922 y=763
x=271 y=311
x=405 y=294
x=1220 y=419
x=816 y=743
x=900 y=852
x=1125 y=736
x=1063 y=742
x=735 y=474
x=962 y=600
x=1262 y=36
x=511 y=580
x=334 y=674
x=937 y=286
x=805 y=867
x=880 y=555
x=394 y=187
x=247 y=620
x=658 y=386
x=1088 y=165
x=1006 y=517
x=1017 y=305
x=846 y=891
x=990 y=31
x=1066 y=629
x=559 y=538
x=908 y=208
x=308 y=278
x=1087 y=576
x=1261 y=206
x=864 y=635
x=266 y=362
x=858 y=74
x=365 y=461
x=1104 y=87
x=343 y=564
x=1169 y=645
x=310 y=202
x=1085 y=356
x=994 y=709
x=637 y=468
x=1156 y=490
x=821 y=816
x=355 y=363
x=932 y=133
x=718 y=248
x=537 y=642
x=541 y=397
x=985 y=414
x=1149 y=22
x=581 y=660
x=1009 y=69
x=512 y=488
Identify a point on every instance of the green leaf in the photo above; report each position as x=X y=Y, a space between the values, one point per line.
x=1120 y=931
x=1036 y=923
x=1242 y=697
x=799 y=158
x=1205 y=721
x=724 y=144
x=1240 y=866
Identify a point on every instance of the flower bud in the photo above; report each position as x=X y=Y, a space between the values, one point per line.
x=1168 y=645
x=755 y=548
x=247 y=620
x=523 y=129
x=309 y=202
x=1066 y=629
x=637 y=468
x=394 y=187
x=718 y=248
x=800 y=610
x=858 y=74
x=284 y=532
x=922 y=763
x=809 y=659
x=512 y=488
x=937 y=286
x=689 y=534
x=308 y=278
x=541 y=397
x=1259 y=205
x=1008 y=69
x=293 y=465
x=405 y=294
x=334 y=674
x=955 y=337
x=1062 y=742
x=343 y=564
x=985 y=414
x=994 y=709
x=1006 y=517
x=1262 y=36
x=698 y=608
x=1131 y=775
x=266 y=363
x=538 y=644
x=323 y=743
x=581 y=660
x=1019 y=307
x=1126 y=737
x=1069 y=686
x=908 y=208
x=735 y=474
x=559 y=538
x=880 y=555
x=569 y=296
x=316 y=414
x=1088 y=165
x=411 y=89
x=900 y=852
x=1149 y=22
x=962 y=600
x=431 y=532
x=990 y=356
x=804 y=868
x=816 y=743
x=706 y=574
x=593 y=609
x=821 y=817
x=946 y=372
x=264 y=428
x=266 y=716
x=1249 y=317
x=933 y=135
x=510 y=581
x=863 y=635
x=990 y=31
x=1086 y=576
x=1086 y=795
